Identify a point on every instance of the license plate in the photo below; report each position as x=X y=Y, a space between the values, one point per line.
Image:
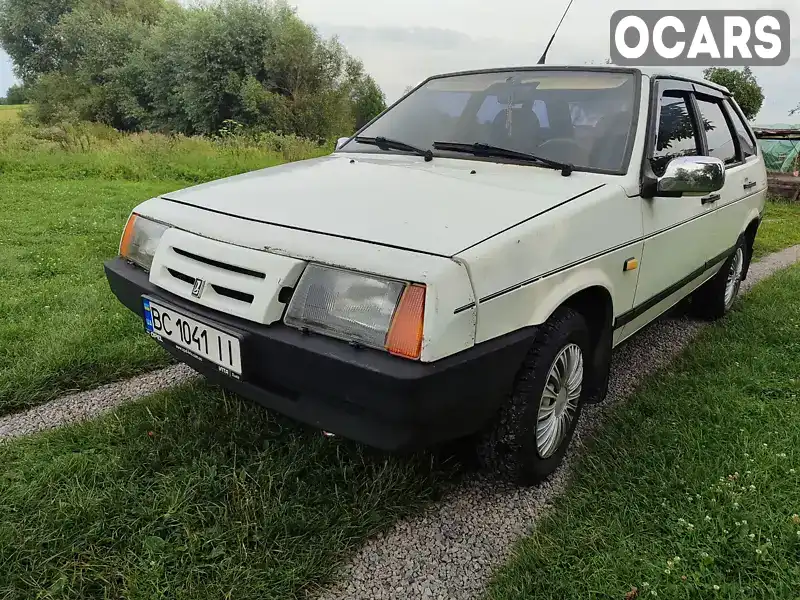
x=193 y=337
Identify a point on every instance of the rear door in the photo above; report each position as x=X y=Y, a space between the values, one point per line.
x=721 y=140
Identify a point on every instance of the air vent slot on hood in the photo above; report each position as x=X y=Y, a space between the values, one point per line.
x=219 y=265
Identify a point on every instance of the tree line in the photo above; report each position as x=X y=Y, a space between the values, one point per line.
x=160 y=66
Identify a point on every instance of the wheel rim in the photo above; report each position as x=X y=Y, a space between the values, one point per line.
x=560 y=398
x=734 y=277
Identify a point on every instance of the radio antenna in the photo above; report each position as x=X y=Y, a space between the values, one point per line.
x=550 y=43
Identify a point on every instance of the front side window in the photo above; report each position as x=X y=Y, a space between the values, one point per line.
x=677 y=135
x=584 y=118
x=718 y=132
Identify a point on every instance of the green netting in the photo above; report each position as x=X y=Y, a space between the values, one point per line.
x=781 y=155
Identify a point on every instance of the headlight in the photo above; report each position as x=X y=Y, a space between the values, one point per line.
x=373 y=311
x=140 y=240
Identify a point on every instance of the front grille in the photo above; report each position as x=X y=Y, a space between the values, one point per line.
x=182 y=276
x=219 y=289
x=236 y=295
x=242 y=282
x=219 y=265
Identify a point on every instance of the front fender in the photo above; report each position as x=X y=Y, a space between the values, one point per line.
x=570 y=285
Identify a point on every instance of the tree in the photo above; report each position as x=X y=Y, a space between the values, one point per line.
x=17 y=94
x=368 y=101
x=743 y=85
x=26 y=34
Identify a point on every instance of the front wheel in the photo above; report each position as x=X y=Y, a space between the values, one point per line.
x=716 y=297
x=530 y=436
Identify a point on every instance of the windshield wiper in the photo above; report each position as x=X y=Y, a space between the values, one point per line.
x=390 y=144
x=487 y=150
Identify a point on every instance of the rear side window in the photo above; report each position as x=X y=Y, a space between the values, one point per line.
x=718 y=132
x=746 y=141
x=677 y=135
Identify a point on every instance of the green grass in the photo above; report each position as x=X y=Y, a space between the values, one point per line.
x=780 y=229
x=10 y=112
x=192 y=495
x=65 y=194
x=702 y=464
x=62 y=328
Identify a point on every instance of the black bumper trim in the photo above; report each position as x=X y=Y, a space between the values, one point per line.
x=362 y=394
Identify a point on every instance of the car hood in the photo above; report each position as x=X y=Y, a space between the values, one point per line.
x=440 y=207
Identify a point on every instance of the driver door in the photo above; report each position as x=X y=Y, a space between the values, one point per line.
x=677 y=231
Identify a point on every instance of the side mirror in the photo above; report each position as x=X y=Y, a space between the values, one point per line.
x=692 y=175
x=341 y=142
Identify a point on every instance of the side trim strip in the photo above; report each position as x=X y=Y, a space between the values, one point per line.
x=521 y=284
x=461 y=309
x=638 y=311
x=614 y=249
x=705 y=214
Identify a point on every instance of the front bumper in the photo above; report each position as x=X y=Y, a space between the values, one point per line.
x=361 y=394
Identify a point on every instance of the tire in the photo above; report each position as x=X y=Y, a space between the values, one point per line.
x=509 y=449
x=716 y=297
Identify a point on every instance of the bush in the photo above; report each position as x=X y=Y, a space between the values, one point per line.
x=91 y=150
x=17 y=94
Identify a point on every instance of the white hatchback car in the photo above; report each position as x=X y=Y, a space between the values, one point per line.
x=465 y=264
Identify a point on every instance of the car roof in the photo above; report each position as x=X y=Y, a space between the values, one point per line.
x=648 y=72
x=653 y=72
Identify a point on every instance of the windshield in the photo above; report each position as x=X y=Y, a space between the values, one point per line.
x=582 y=118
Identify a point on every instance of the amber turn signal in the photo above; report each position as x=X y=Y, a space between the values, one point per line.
x=127 y=236
x=405 y=334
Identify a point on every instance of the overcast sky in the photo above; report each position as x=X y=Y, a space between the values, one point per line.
x=403 y=41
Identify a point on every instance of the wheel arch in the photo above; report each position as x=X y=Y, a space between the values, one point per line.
x=596 y=304
x=749 y=234
x=586 y=291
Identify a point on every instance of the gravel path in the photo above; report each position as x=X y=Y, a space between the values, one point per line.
x=87 y=405
x=451 y=551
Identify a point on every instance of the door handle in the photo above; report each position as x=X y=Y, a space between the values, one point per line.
x=750 y=185
x=710 y=199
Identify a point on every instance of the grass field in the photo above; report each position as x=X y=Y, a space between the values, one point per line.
x=64 y=197
x=192 y=495
x=693 y=488
x=781 y=228
x=10 y=112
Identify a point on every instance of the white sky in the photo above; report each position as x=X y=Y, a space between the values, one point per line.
x=6 y=76
x=403 y=41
